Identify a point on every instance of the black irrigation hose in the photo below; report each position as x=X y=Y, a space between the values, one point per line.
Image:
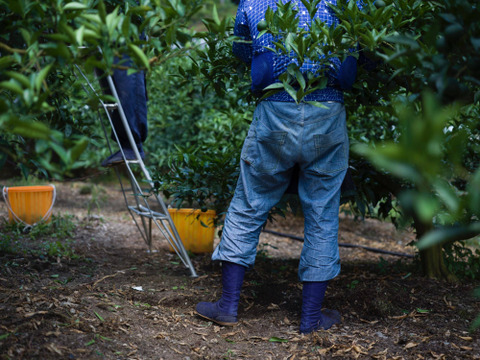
x=298 y=238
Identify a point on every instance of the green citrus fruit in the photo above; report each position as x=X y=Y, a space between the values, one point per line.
x=262 y=25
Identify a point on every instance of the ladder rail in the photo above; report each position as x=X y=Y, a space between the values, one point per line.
x=168 y=230
x=146 y=173
x=107 y=108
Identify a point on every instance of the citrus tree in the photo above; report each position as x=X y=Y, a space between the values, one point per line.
x=412 y=113
x=417 y=117
x=43 y=122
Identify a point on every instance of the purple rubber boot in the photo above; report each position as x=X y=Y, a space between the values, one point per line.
x=224 y=311
x=313 y=318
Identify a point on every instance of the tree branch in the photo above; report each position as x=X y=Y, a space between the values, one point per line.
x=12 y=50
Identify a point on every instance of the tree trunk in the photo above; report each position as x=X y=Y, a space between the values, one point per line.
x=433 y=264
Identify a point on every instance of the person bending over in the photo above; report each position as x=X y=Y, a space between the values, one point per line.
x=284 y=135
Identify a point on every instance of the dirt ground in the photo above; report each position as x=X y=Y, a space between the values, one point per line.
x=116 y=300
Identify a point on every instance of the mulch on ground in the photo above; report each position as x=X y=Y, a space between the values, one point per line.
x=116 y=300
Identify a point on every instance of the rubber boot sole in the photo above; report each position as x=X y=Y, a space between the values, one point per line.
x=223 y=323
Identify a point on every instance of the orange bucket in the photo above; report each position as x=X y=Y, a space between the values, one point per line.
x=195 y=228
x=29 y=204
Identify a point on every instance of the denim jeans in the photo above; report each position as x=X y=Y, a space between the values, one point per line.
x=281 y=135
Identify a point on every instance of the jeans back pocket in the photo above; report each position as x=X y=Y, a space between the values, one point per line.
x=331 y=151
x=263 y=148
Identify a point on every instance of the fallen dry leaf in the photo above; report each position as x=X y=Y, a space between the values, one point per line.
x=177 y=351
x=273 y=306
x=51 y=347
x=199 y=333
x=30 y=314
x=381 y=354
x=437 y=356
x=230 y=334
x=161 y=335
x=199 y=279
x=401 y=317
x=410 y=345
x=132 y=352
x=105 y=277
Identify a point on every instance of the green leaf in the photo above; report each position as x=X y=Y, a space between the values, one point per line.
x=477 y=96
x=423 y=311
x=60 y=150
x=140 y=55
x=79 y=34
x=274 y=86
x=29 y=129
x=426 y=206
x=300 y=79
x=11 y=86
x=105 y=338
x=215 y=15
x=75 y=6
x=170 y=35
x=4 y=336
x=126 y=26
x=447 y=194
x=41 y=76
x=290 y=90
x=277 y=339
x=99 y=316
x=441 y=236
x=22 y=79
x=18 y=6
x=317 y=104
x=6 y=61
x=474 y=193
x=78 y=149
x=25 y=171
x=112 y=21
x=102 y=12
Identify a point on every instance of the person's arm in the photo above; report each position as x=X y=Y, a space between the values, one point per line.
x=242 y=50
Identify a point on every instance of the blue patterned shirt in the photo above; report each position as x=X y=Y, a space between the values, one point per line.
x=251 y=12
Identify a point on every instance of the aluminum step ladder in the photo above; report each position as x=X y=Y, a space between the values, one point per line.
x=148 y=208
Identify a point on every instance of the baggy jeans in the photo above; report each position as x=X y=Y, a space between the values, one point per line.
x=281 y=135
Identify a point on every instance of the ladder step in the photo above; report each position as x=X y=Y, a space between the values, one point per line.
x=110 y=106
x=143 y=211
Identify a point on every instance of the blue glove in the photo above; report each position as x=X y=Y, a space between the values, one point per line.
x=347 y=73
